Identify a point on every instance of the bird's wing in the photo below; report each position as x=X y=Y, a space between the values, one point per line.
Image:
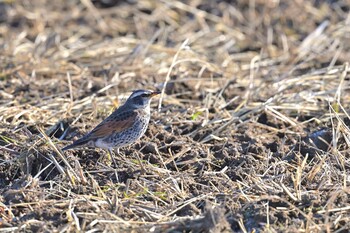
x=113 y=124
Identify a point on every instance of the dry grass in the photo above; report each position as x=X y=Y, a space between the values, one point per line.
x=251 y=132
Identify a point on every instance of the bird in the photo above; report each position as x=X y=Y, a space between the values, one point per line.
x=122 y=127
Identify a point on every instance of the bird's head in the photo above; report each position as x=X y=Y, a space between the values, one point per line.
x=141 y=98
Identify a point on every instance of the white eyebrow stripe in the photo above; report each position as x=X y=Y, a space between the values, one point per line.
x=138 y=93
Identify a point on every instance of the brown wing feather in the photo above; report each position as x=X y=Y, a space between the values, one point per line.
x=113 y=124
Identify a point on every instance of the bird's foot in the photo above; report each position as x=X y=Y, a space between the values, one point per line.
x=143 y=170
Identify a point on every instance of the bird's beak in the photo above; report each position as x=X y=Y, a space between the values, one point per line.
x=155 y=93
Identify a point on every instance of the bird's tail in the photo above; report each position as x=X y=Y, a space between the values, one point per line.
x=77 y=143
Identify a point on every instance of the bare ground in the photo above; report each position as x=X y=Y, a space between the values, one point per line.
x=251 y=133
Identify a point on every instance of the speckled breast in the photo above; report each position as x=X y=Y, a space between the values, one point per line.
x=130 y=135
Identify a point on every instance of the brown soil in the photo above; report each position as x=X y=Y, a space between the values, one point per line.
x=252 y=134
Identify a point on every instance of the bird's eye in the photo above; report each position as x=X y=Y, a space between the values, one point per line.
x=144 y=95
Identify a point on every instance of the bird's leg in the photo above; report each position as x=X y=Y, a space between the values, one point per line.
x=120 y=156
x=111 y=157
x=143 y=171
x=110 y=152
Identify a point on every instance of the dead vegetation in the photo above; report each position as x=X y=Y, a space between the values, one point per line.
x=250 y=134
